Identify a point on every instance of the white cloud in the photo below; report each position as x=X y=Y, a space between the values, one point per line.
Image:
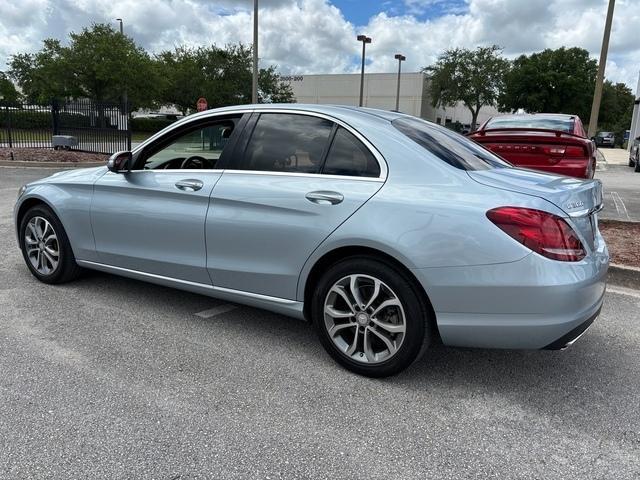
x=313 y=36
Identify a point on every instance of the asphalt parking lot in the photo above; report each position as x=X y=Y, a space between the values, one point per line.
x=621 y=193
x=113 y=378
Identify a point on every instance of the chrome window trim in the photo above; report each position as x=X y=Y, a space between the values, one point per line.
x=260 y=172
x=176 y=170
x=382 y=163
x=307 y=175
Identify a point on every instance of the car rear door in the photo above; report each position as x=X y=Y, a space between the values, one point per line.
x=293 y=180
x=152 y=218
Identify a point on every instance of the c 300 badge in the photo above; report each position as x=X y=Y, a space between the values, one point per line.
x=572 y=205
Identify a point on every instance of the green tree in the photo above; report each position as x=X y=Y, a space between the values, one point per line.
x=616 y=109
x=43 y=75
x=221 y=75
x=551 y=81
x=98 y=63
x=8 y=92
x=473 y=77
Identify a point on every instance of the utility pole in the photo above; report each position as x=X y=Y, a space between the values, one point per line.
x=597 y=94
x=364 y=39
x=121 y=28
x=254 y=88
x=401 y=58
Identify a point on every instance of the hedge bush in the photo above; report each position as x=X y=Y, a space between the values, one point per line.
x=149 y=125
x=30 y=119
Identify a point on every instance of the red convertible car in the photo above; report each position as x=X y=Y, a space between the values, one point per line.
x=554 y=143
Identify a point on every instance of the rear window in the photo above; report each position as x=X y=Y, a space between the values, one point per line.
x=449 y=146
x=348 y=156
x=546 y=123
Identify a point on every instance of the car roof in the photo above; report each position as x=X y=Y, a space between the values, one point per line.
x=339 y=111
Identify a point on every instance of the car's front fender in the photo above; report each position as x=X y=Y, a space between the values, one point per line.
x=71 y=203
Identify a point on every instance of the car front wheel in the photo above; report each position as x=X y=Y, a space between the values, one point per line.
x=45 y=246
x=370 y=317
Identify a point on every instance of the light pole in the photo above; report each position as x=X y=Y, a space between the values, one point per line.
x=401 y=58
x=254 y=86
x=364 y=39
x=597 y=94
x=125 y=97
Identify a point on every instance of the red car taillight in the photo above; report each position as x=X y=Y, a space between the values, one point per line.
x=542 y=232
x=575 y=152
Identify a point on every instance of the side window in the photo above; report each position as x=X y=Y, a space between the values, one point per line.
x=348 y=156
x=195 y=149
x=283 y=142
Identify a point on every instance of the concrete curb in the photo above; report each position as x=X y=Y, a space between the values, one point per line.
x=22 y=164
x=624 y=276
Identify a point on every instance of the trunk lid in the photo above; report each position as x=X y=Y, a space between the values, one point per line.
x=533 y=148
x=579 y=199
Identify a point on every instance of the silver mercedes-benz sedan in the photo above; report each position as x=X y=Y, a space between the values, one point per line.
x=385 y=231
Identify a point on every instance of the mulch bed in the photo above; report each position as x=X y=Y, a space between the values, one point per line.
x=623 y=240
x=50 y=155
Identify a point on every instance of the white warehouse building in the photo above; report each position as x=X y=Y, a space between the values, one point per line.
x=380 y=92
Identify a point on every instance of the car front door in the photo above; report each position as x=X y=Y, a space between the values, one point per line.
x=293 y=180
x=152 y=218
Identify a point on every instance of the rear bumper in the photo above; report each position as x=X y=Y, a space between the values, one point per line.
x=569 y=338
x=533 y=303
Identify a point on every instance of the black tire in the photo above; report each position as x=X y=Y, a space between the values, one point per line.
x=418 y=324
x=67 y=269
x=637 y=164
x=632 y=163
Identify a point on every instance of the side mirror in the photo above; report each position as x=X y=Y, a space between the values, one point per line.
x=120 y=162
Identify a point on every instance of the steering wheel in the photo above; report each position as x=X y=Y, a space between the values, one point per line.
x=194 y=161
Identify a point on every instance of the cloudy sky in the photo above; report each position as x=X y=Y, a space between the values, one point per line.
x=318 y=36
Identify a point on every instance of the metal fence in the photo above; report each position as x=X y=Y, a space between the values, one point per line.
x=96 y=127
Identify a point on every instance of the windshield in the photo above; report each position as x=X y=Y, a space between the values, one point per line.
x=448 y=145
x=561 y=124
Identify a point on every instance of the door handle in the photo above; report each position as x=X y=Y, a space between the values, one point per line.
x=323 y=197
x=189 y=185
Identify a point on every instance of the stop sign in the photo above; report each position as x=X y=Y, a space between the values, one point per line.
x=201 y=104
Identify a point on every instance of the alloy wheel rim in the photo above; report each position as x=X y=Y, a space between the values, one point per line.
x=364 y=318
x=41 y=245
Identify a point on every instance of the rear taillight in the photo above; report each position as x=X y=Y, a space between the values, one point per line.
x=554 y=151
x=575 y=152
x=542 y=232
x=558 y=151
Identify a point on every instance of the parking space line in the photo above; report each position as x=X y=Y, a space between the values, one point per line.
x=624 y=207
x=220 y=309
x=621 y=208
x=615 y=202
x=624 y=291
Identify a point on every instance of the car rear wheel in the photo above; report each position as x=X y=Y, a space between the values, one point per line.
x=370 y=317
x=46 y=248
x=637 y=164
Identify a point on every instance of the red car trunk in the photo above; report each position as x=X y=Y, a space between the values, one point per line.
x=543 y=149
